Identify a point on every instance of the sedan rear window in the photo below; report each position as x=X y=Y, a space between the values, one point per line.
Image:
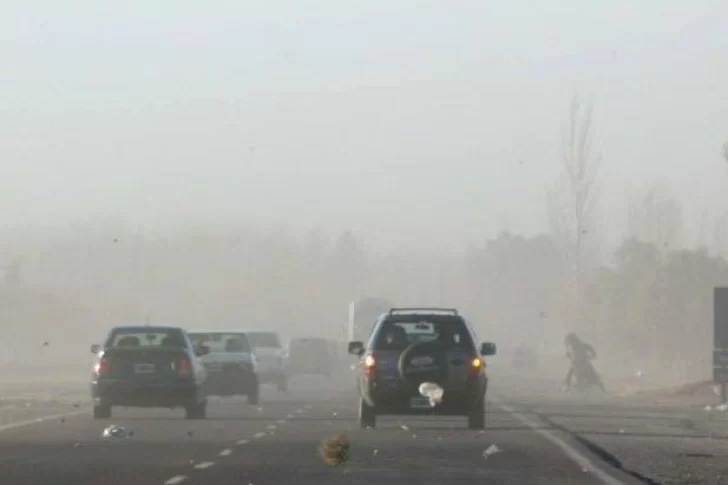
x=394 y=335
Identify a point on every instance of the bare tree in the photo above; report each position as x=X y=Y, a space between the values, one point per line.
x=573 y=201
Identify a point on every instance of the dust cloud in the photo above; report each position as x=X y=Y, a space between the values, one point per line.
x=268 y=169
x=646 y=307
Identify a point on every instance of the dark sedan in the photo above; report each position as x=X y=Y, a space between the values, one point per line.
x=148 y=366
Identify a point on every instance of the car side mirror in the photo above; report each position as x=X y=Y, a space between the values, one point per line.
x=201 y=350
x=95 y=348
x=487 y=348
x=356 y=347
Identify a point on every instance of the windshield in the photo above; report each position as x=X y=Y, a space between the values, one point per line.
x=264 y=339
x=395 y=335
x=146 y=338
x=221 y=342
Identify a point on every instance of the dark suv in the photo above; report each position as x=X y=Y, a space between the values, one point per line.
x=409 y=346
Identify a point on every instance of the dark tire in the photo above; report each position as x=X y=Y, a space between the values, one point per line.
x=476 y=416
x=102 y=411
x=367 y=415
x=253 y=395
x=196 y=410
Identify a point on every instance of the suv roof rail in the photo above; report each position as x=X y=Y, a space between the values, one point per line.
x=452 y=311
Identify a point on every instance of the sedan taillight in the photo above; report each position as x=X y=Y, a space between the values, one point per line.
x=102 y=367
x=183 y=366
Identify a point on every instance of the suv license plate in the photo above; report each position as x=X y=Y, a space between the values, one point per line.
x=144 y=368
x=420 y=403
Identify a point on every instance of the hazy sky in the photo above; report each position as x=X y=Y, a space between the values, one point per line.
x=396 y=116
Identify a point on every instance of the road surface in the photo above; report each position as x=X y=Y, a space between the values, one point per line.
x=532 y=440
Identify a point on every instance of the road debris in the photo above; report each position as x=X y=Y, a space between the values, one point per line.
x=114 y=432
x=491 y=450
x=335 y=449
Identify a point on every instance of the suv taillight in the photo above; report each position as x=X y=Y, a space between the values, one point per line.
x=370 y=364
x=102 y=367
x=183 y=366
x=476 y=365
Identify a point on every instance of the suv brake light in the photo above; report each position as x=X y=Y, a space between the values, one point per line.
x=370 y=363
x=476 y=365
x=102 y=367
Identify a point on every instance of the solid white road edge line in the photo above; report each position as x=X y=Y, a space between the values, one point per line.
x=42 y=419
x=175 y=480
x=568 y=450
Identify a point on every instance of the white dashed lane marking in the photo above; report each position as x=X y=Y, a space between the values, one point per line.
x=43 y=419
x=200 y=466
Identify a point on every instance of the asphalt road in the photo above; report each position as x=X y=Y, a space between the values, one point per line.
x=277 y=443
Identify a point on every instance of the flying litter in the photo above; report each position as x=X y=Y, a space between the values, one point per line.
x=432 y=392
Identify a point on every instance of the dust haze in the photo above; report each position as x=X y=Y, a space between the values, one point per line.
x=195 y=167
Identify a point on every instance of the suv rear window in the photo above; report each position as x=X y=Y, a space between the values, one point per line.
x=264 y=339
x=398 y=335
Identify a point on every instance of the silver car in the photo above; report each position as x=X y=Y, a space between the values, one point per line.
x=232 y=367
x=272 y=357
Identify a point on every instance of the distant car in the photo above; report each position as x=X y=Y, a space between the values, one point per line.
x=272 y=357
x=148 y=366
x=310 y=356
x=410 y=346
x=230 y=363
